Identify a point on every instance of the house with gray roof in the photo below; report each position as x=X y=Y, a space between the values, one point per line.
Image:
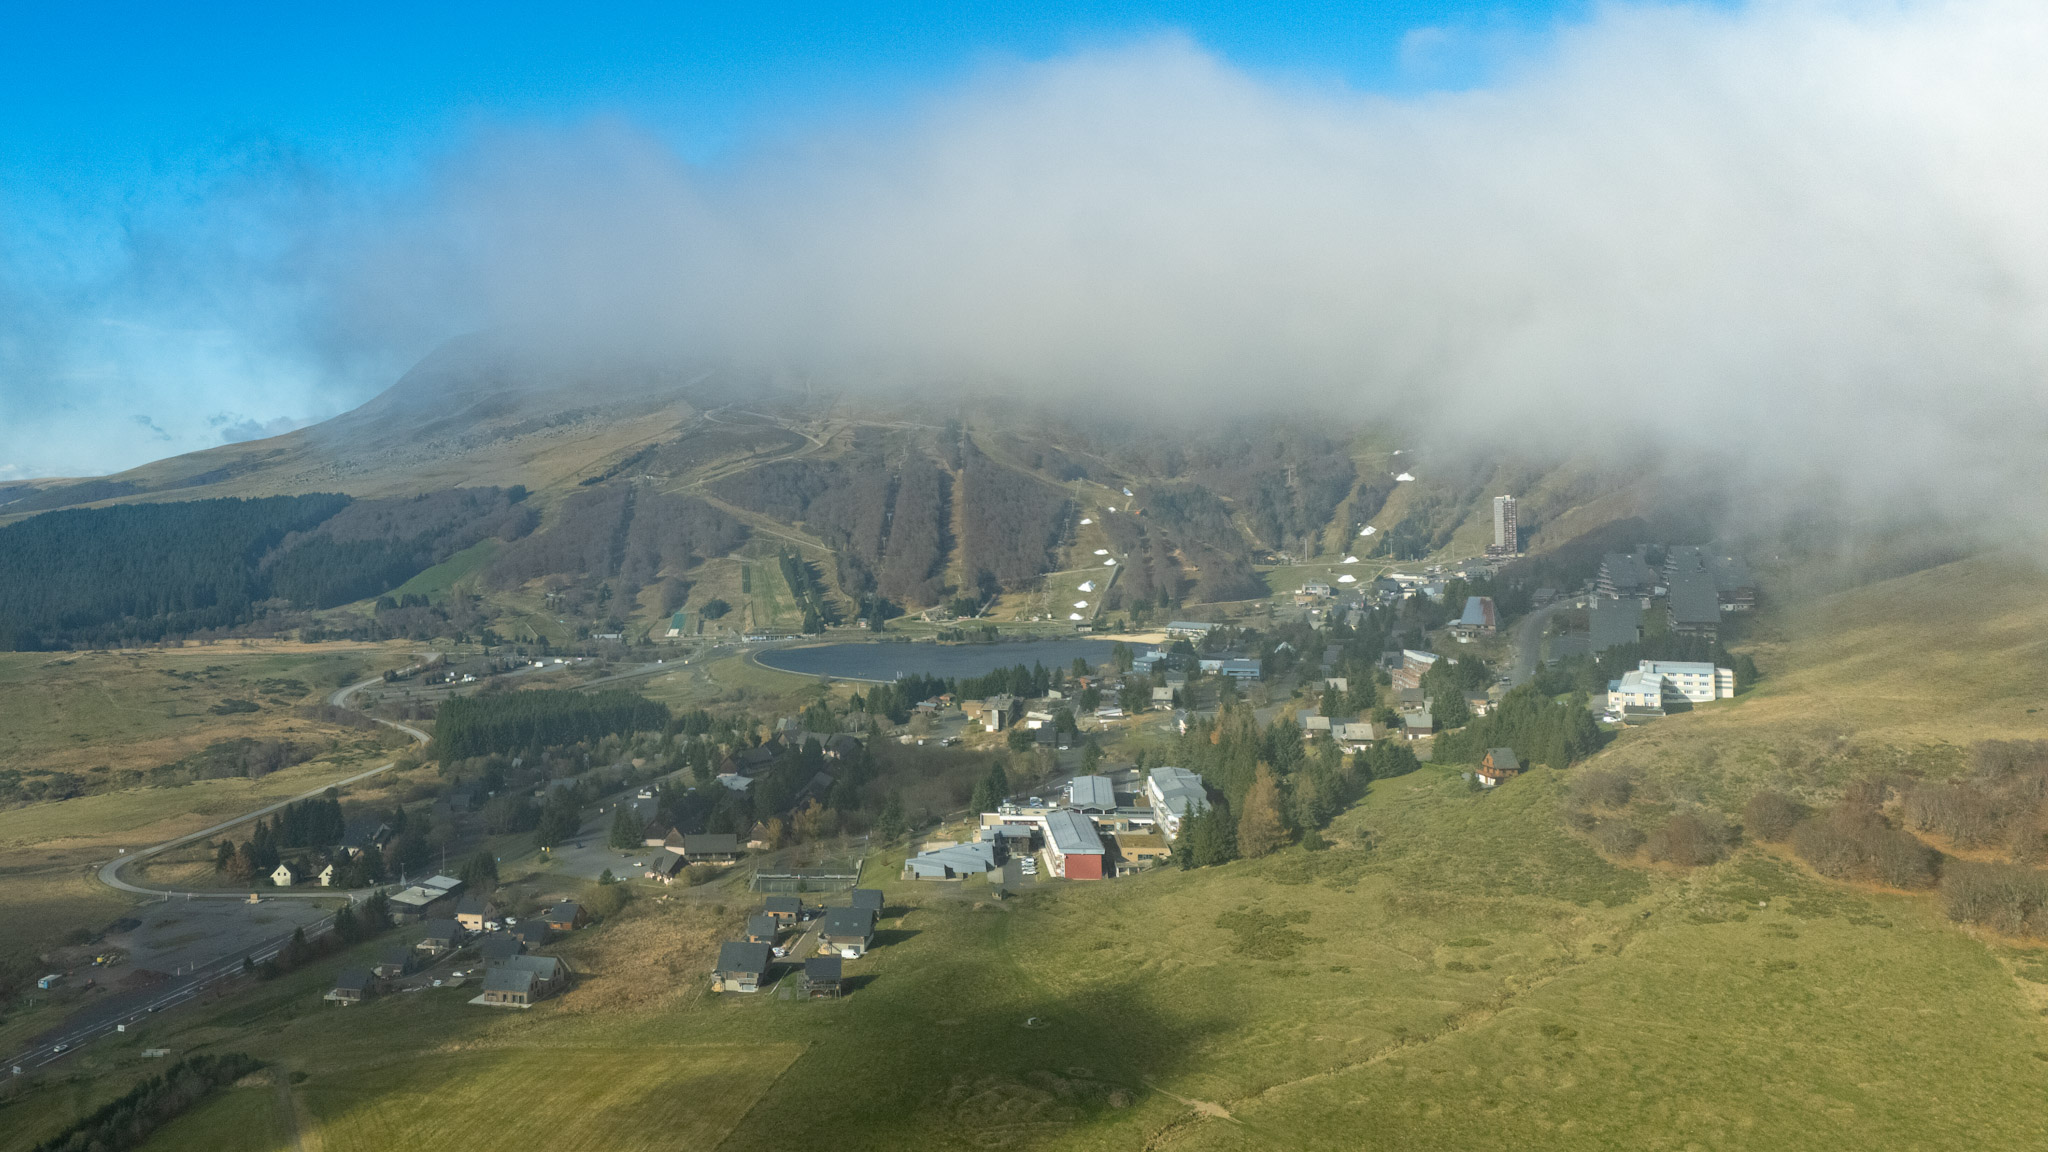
x=351 y=986
x=507 y=988
x=499 y=947
x=847 y=931
x=763 y=929
x=442 y=935
x=742 y=967
x=785 y=909
x=824 y=976
x=393 y=962
x=1611 y=623
x=868 y=898
x=1695 y=606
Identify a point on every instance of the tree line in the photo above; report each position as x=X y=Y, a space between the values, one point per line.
x=468 y=726
x=138 y=573
x=129 y=1119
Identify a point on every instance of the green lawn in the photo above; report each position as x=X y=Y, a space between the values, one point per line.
x=436 y=582
x=609 y=1098
x=242 y=1119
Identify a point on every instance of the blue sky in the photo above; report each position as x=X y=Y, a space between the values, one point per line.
x=156 y=161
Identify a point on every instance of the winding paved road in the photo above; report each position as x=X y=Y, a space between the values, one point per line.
x=130 y=1008
x=110 y=872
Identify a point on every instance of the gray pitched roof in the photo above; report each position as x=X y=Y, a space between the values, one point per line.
x=1092 y=792
x=1180 y=791
x=353 y=979
x=824 y=969
x=442 y=929
x=508 y=980
x=762 y=925
x=499 y=946
x=791 y=905
x=740 y=956
x=844 y=922
x=869 y=898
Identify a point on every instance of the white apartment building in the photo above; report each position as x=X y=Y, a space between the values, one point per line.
x=1654 y=680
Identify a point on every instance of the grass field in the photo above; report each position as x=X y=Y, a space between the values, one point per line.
x=138 y=709
x=610 y=1098
x=240 y=1119
x=435 y=583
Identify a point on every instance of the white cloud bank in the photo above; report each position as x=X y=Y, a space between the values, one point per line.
x=1802 y=236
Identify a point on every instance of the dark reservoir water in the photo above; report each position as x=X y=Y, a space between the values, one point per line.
x=949 y=661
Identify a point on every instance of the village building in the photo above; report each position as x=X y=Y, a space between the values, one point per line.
x=706 y=847
x=285 y=875
x=393 y=962
x=567 y=916
x=532 y=932
x=1095 y=795
x=999 y=712
x=1499 y=765
x=763 y=929
x=787 y=910
x=326 y=875
x=351 y=986
x=499 y=947
x=954 y=862
x=1611 y=623
x=824 y=977
x=442 y=935
x=363 y=835
x=474 y=913
x=1478 y=619
x=847 y=931
x=430 y=898
x=742 y=967
x=1416 y=725
x=1073 y=845
x=507 y=988
x=1175 y=794
x=522 y=981
x=1625 y=574
x=867 y=898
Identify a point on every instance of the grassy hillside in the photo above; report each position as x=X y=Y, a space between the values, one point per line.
x=1903 y=674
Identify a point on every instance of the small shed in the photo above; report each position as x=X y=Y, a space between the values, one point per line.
x=823 y=976
x=742 y=967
